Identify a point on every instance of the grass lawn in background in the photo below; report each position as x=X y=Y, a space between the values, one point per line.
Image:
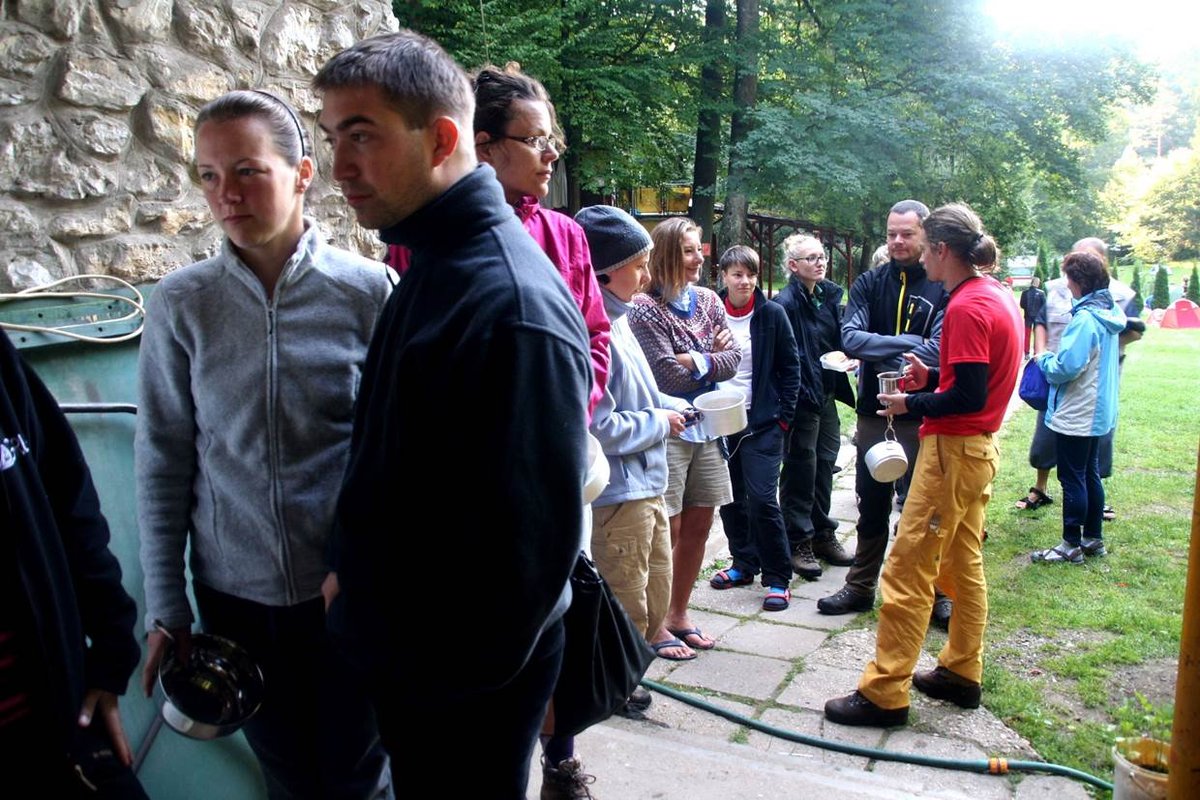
x=1078 y=655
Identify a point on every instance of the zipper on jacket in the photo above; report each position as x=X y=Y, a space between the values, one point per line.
x=900 y=300
x=273 y=440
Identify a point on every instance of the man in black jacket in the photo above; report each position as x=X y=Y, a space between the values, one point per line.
x=892 y=310
x=67 y=647
x=472 y=411
x=1032 y=300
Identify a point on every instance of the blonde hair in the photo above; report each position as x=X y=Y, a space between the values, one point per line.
x=668 y=275
x=792 y=244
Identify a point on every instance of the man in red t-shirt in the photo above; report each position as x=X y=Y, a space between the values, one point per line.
x=941 y=528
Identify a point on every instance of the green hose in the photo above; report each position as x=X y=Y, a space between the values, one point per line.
x=995 y=766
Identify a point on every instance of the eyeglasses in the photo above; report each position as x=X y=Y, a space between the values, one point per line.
x=539 y=143
x=816 y=258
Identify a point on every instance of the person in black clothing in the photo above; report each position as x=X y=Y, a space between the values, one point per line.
x=813 y=305
x=67 y=647
x=894 y=309
x=1032 y=300
x=769 y=377
x=472 y=410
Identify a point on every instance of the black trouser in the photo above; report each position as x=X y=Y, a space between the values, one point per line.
x=806 y=483
x=315 y=735
x=488 y=733
x=753 y=522
x=875 y=500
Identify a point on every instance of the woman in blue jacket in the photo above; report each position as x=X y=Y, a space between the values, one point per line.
x=769 y=376
x=1082 y=407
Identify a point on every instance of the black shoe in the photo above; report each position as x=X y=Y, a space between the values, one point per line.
x=942 y=684
x=942 y=608
x=856 y=709
x=845 y=601
x=639 y=700
x=804 y=563
x=826 y=546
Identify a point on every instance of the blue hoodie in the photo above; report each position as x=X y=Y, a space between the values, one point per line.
x=1083 y=372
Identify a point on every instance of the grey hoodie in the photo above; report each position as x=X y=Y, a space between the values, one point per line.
x=245 y=411
x=630 y=422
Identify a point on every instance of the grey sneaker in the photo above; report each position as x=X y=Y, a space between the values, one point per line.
x=825 y=545
x=567 y=781
x=1093 y=547
x=804 y=562
x=1061 y=553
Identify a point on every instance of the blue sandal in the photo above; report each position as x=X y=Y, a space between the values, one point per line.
x=777 y=599
x=728 y=578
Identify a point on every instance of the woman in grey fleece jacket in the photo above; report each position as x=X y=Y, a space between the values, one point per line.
x=248 y=371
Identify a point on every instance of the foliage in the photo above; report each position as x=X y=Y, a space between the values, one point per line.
x=1136 y=303
x=1043 y=261
x=1162 y=288
x=621 y=74
x=1193 y=289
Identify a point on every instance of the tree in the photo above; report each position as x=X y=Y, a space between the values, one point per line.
x=1193 y=289
x=745 y=95
x=1162 y=288
x=1136 y=304
x=1042 y=270
x=707 y=162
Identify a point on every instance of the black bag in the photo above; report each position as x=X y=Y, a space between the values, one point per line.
x=604 y=657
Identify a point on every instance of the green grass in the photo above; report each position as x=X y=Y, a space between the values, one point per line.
x=1111 y=613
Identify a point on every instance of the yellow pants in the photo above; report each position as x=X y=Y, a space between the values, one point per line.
x=631 y=544
x=940 y=541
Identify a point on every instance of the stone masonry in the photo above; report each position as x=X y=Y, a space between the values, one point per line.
x=97 y=103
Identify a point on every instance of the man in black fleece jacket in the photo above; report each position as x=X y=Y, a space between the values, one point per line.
x=472 y=412
x=893 y=309
x=67 y=647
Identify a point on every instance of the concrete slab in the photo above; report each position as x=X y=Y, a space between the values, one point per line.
x=772 y=640
x=810 y=723
x=740 y=601
x=676 y=766
x=978 y=786
x=736 y=673
x=804 y=612
x=666 y=713
x=817 y=683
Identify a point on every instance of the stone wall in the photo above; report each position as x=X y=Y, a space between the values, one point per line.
x=97 y=101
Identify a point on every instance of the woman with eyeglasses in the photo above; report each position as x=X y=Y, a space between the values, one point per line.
x=814 y=306
x=248 y=370
x=517 y=133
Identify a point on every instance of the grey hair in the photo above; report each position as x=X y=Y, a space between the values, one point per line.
x=417 y=77
x=287 y=134
x=911 y=207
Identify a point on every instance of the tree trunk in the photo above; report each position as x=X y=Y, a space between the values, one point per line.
x=708 y=125
x=745 y=95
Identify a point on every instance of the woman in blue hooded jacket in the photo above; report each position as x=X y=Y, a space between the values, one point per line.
x=1082 y=407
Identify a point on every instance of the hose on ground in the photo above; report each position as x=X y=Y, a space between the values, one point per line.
x=992 y=766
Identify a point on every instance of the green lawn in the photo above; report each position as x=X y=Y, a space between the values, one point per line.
x=1077 y=656
x=1067 y=646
